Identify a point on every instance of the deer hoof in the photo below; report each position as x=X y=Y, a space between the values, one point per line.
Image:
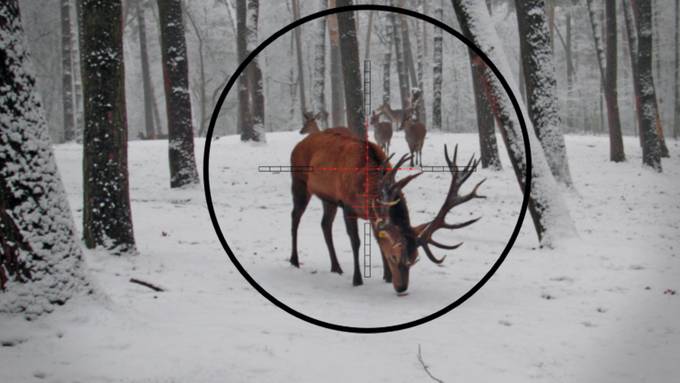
x=336 y=269
x=294 y=262
x=357 y=282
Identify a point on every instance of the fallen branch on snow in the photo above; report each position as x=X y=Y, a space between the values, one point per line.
x=426 y=368
x=147 y=284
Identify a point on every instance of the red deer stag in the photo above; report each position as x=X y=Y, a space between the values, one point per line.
x=382 y=132
x=386 y=209
x=414 y=131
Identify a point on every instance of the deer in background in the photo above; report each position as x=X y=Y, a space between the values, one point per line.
x=415 y=132
x=394 y=115
x=382 y=132
x=384 y=205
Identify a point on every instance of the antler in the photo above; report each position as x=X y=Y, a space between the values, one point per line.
x=458 y=177
x=390 y=186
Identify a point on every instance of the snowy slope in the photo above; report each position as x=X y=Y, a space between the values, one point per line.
x=595 y=309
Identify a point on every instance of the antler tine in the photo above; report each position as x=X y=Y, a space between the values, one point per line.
x=399 y=185
x=392 y=173
x=431 y=256
x=453 y=226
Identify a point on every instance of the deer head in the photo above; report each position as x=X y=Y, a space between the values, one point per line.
x=309 y=124
x=398 y=240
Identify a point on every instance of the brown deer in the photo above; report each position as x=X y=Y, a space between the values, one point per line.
x=309 y=124
x=382 y=132
x=373 y=195
x=415 y=132
x=395 y=115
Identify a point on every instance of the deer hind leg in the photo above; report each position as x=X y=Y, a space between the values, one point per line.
x=387 y=273
x=353 y=232
x=300 y=200
x=329 y=210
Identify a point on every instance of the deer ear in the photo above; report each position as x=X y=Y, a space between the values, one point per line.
x=319 y=115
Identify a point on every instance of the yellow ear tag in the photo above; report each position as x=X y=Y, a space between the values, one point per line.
x=382 y=234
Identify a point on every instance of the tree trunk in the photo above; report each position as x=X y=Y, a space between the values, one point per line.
x=245 y=117
x=546 y=206
x=319 y=80
x=41 y=263
x=387 y=56
x=616 y=152
x=631 y=32
x=420 y=69
x=77 y=84
x=337 y=85
x=402 y=70
x=107 y=220
x=676 y=114
x=256 y=84
x=67 y=72
x=488 y=147
x=146 y=75
x=437 y=64
x=541 y=85
x=651 y=151
x=300 y=65
x=408 y=52
x=202 y=92
x=351 y=71
x=177 y=101
x=369 y=30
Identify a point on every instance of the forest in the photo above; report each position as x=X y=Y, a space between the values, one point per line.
x=143 y=175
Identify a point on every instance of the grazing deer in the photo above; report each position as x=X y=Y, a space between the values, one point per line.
x=384 y=205
x=414 y=131
x=382 y=132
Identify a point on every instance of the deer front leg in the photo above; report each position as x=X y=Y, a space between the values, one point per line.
x=353 y=232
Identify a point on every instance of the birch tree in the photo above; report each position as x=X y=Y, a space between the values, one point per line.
x=437 y=69
x=387 y=56
x=177 y=100
x=107 y=220
x=676 y=71
x=41 y=262
x=539 y=77
x=546 y=205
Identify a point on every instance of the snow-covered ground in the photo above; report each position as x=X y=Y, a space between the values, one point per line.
x=601 y=307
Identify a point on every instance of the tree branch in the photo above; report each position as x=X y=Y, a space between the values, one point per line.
x=147 y=284
x=426 y=367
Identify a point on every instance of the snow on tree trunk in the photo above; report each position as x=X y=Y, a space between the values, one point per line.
x=67 y=72
x=77 y=84
x=437 y=70
x=546 y=205
x=402 y=70
x=177 y=99
x=488 y=147
x=41 y=262
x=541 y=86
x=387 y=56
x=651 y=151
x=146 y=75
x=107 y=220
x=351 y=72
x=319 y=79
x=337 y=86
x=256 y=85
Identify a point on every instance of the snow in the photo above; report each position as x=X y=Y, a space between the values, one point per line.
x=599 y=308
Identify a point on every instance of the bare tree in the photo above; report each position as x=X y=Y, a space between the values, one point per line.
x=488 y=147
x=146 y=74
x=245 y=117
x=177 y=100
x=402 y=70
x=41 y=263
x=337 y=84
x=437 y=69
x=351 y=72
x=676 y=125
x=67 y=71
x=297 y=32
x=541 y=85
x=202 y=82
x=107 y=220
x=387 y=56
x=546 y=205
x=255 y=83
x=651 y=150
x=319 y=79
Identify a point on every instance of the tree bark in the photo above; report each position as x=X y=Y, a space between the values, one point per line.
x=41 y=263
x=651 y=151
x=420 y=69
x=616 y=152
x=369 y=30
x=146 y=75
x=177 y=100
x=488 y=147
x=546 y=206
x=202 y=92
x=539 y=76
x=676 y=114
x=245 y=117
x=387 y=57
x=351 y=70
x=631 y=31
x=300 y=64
x=67 y=71
x=319 y=80
x=256 y=84
x=402 y=70
x=77 y=83
x=337 y=83
x=107 y=220
x=437 y=64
